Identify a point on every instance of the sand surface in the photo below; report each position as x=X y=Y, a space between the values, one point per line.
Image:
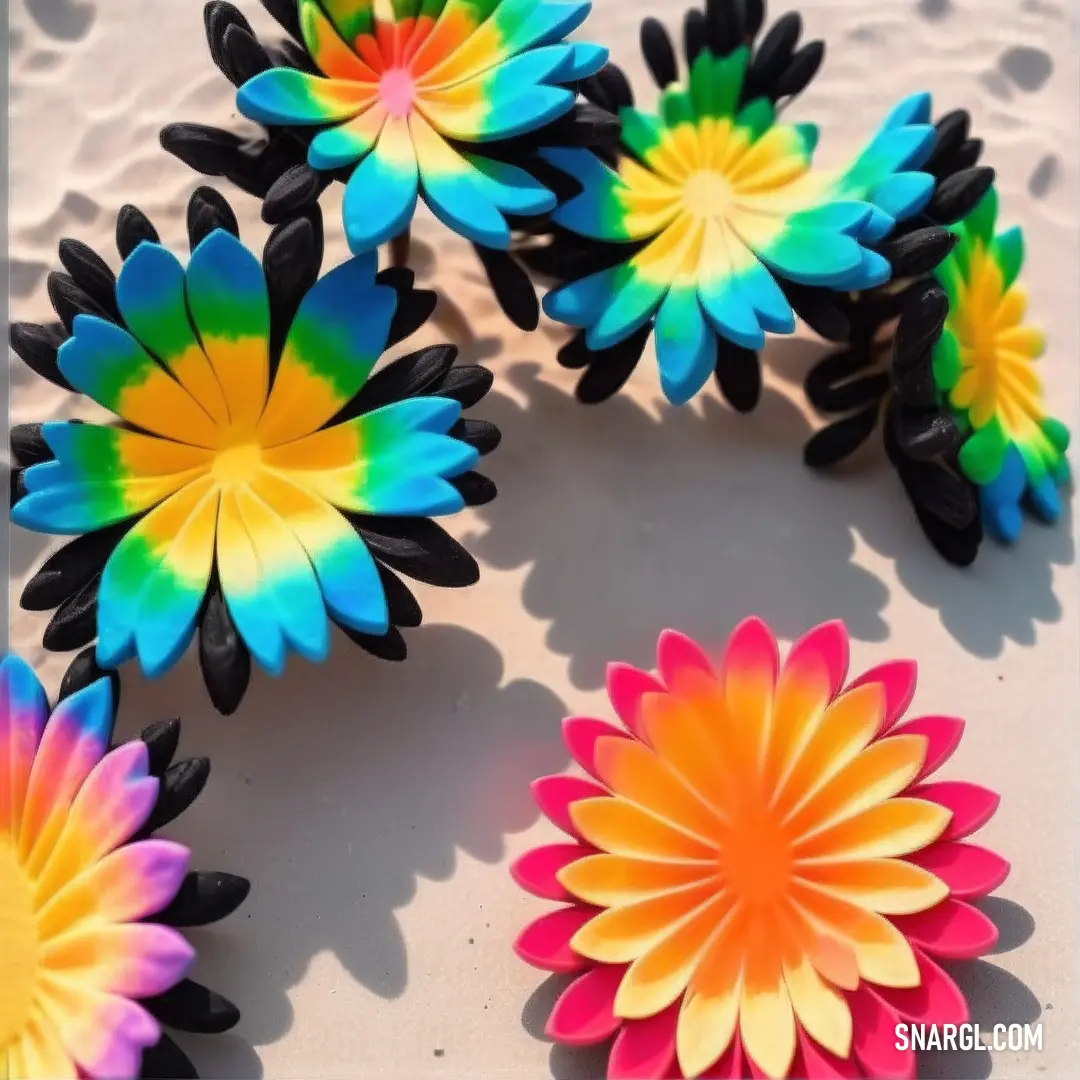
x=376 y=807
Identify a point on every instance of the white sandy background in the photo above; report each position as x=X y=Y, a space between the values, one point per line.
x=376 y=807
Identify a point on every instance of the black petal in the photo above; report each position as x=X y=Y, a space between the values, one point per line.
x=481 y=435
x=285 y=13
x=17 y=485
x=416 y=373
x=180 y=787
x=91 y=273
x=132 y=228
x=414 y=309
x=223 y=656
x=659 y=53
x=919 y=252
x=956 y=196
x=166 y=1061
x=476 y=489
x=693 y=35
x=204 y=899
x=418 y=548
x=915 y=385
x=796 y=77
x=924 y=315
x=161 y=741
x=942 y=493
x=825 y=376
x=202 y=148
x=207 y=210
x=83 y=671
x=957 y=546
x=297 y=189
x=75 y=623
x=291 y=261
x=952 y=132
x=841 y=439
x=724 y=26
x=923 y=434
x=755 y=17
x=28 y=445
x=403 y=606
x=68 y=300
x=246 y=57
x=467 y=385
x=289 y=54
x=512 y=287
x=738 y=374
x=608 y=371
x=570 y=258
x=822 y=311
x=191 y=1007
x=390 y=646
x=36 y=346
x=592 y=89
x=616 y=86
x=576 y=354
x=773 y=55
x=71 y=567
x=965 y=157
x=218 y=17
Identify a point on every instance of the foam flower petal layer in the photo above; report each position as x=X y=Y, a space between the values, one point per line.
x=762 y=875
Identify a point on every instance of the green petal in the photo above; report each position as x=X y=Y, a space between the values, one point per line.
x=1008 y=250
x=946 y=363
x=982 y=456
x=676 y=107
x=1057 y=433
x=757 y=118
x=981 y=221
x=640 y=132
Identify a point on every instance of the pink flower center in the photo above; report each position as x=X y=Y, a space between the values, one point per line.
x=396 y=90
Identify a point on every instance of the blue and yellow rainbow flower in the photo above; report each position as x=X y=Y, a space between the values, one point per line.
x=984 y=367
x=717 y=206
x=408 y=98
x=230 y=463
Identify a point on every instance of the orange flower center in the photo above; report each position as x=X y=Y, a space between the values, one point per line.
x=756 y=857
x=237 y=464
x=397 y=91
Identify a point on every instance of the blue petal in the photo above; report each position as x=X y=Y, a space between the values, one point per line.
x=904 y=194
x=379 y=202
x=685 y=346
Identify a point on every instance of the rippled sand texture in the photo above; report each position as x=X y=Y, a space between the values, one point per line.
x=376 y=807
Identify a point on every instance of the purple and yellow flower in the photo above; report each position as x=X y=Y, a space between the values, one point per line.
x=88 y=900
x=409 y=99
x=984 y=367
x=254 y=457
x=716 y=208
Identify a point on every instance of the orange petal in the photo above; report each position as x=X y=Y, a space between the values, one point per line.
x=887 y=830
x=614 y=880
x=766 y=1017
x=888 y=886
x=615 y=825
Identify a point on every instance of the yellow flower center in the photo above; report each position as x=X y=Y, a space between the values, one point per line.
x=237 y=464
x=708 y=194
x=18 y=945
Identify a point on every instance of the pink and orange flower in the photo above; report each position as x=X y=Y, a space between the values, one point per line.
x=762 y=877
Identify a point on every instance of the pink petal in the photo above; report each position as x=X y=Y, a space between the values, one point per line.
x=829 y=644
x=968 y=870
x=584 y=1014
x=580 y=734
x=535 y=870
x=675 y=653
x=645 y=1049
x=554 y=795
x=626 y=686
x=898 y=678
x=545 y=942
x=874 y=1038
x=752 y=647
x=952 y=930
x=814 y=1062
x=732 y=1064
x=972 y=806
x=943 y=734
x=936 y=1000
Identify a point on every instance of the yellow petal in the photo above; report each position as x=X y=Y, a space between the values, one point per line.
x=615 y=825
x=1028 y=341
x=888 y=886
x=821 y=1011
x=887 y=830
x=766 y=1018
x=614 y=880
x=622 y=934
x=1012 y=308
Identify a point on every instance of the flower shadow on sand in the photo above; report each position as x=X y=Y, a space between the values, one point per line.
x=994 y=995
x=695 y=518
x=390 y=769
x=1003 y=597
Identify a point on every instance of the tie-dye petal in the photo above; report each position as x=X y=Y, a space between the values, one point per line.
x=23 y=711
x=150 y=294
x=348 y=142
x=595 y=211
x=453 y=190
x=347 y=575
x=352 y=18
x=685 y=345
x=286 y=96
x=327 y=48
x=107 y=364
x=331 y=349
x=226 y=293
x=512 y=190
x=757 y=913
x=381 y=194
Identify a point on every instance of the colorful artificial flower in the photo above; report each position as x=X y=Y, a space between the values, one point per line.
x=440 y=100
x=91 y=962
x=761 y=876
x=712 y=214
x=965 y=424
x=263 y=484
